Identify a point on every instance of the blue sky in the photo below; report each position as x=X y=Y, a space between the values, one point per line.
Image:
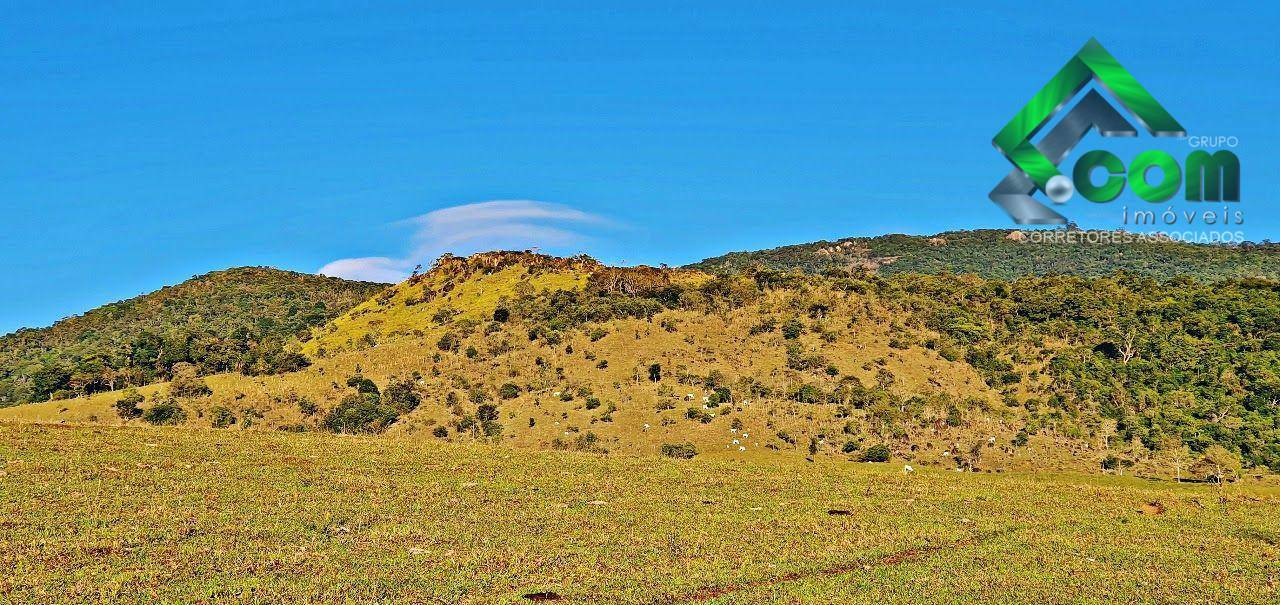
x=142 y=146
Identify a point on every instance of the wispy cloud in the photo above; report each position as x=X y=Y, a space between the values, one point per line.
x=499 y=224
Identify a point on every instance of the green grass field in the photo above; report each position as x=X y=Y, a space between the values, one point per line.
x=182 y=515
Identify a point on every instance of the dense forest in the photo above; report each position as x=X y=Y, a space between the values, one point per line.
x=233 y=320
x=1003 y=254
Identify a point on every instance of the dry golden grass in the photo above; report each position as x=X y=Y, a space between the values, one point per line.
x=188 y=515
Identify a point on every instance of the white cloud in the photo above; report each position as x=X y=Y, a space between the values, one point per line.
x=494 y=225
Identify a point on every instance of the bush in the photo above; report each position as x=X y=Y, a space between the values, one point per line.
x=307 y=407
x=592 y=403
x=508 y=390
x=186 y=383
x=698 y=414
x=491 y=428
x=808 y=394
x=166 y=412
x=876 y=453
x=792 y=329
x=440 y=432
x=720 y=395
x=362 y=385
x=220 y=417
x=849 y=447
x=682 y=451
x=402 y=395
x=127 y=406
x=655 y=372
x=288 y=362
x=449 y=342
x=360 y=413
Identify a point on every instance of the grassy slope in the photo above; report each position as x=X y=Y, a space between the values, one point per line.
x=401 y=310
x=141 y=515
x=990 y=253
x=395 y=335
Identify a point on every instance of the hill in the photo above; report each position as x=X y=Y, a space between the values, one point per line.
x=1003 y=254
x=1124 y=374
x=154 y=515
x=232 y=320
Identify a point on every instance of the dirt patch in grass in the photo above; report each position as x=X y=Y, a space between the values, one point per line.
x=894 y=558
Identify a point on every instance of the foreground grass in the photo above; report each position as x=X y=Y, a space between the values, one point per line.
x=127 y=515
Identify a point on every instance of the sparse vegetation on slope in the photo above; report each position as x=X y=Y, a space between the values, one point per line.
x=1125 y=374
x=233 y=320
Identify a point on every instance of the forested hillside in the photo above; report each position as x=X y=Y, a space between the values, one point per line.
x=233 y=320
x=1005 y=254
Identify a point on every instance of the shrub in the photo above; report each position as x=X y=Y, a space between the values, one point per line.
x=127 y=406
x=592 y=403
x=186 y=383
x=440 y=432
x=287 y=362
x=792 y=329
x=682 y=451
x=220 y=417
x=655 y=372
x=766 y=325
x=808 y=394
x=307 y=407
x=491 y=428
x=876 y=453
x=501 y=315
x=448 y=342
x=849 y=447
x=362 y=385
x=360 y=413
x=166 y=412
x=720 y=395
x=402 y=395
x=698 y=414
x=508 y=390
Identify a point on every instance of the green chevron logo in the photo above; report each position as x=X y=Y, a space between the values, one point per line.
x=1213 y=177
